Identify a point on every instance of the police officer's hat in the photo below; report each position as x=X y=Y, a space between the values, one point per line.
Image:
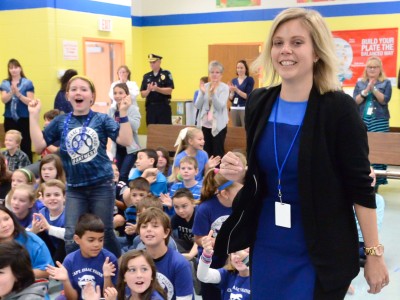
x=153 y=57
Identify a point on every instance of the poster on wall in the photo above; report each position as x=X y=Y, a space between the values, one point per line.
x=237 y=3
x=354 y=47
x=307 y=1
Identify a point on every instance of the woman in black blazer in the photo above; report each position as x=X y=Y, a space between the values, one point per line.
x=308 y=166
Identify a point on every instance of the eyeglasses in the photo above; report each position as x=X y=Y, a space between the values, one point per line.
x=372 y=67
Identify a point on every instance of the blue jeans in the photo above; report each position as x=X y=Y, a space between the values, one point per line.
x=97 y=199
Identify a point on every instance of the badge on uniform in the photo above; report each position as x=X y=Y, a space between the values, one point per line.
x=162 y=76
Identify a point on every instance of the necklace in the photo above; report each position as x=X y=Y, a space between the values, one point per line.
x=75 y=146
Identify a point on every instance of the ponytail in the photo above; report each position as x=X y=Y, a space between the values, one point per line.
x=212 y=181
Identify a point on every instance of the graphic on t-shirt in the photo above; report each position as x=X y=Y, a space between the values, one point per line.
x=216 y=225
x=236 y=297
x=85 y=279
x=166 y=285
x=82 y=147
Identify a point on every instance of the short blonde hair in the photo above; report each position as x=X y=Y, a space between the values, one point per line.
x=16 y=134
x=325 y=69
x=378 y=61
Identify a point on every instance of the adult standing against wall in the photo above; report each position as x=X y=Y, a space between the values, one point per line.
x=372 y=94
x=61 y=102
x=240 y=88
x=16 y=92
x=157 y=86
x=124 y=76
x=308 y=166
x=213 y=112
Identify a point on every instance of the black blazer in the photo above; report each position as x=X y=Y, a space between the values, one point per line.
x=333 y=174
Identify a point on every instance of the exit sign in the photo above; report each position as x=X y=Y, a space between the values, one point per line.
x=105 y=24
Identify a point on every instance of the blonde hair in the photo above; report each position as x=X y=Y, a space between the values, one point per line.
x=27 y=188
x=325 y=69
x=382 y=75
x=185 y=135
x=53 y=183
x=16 y=134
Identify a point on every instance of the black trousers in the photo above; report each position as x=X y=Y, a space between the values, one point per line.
x=158 y=113
x=214 y=145
x=321 y=294
x=22 y=125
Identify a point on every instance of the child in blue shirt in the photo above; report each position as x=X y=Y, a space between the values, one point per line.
x=91 y=263
x=83 y=136
x=190 y=142
x=174 y=271
x=146 y=167
x=215 y=207
x=233 y=279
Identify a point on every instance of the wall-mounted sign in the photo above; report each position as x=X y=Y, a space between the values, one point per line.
x=70 y=50
x=105 y=24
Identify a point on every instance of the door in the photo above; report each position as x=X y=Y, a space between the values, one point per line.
x=101 y=61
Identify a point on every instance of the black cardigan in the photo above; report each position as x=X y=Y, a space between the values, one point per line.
x=333 y=174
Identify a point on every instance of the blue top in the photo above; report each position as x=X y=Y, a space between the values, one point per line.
x=82 y=270
x=24 y=86
x=246 y=87
x=202 y=159
x=89 y=164
x=59 y=222
x=210 y=214
x=282 y=245
x=157 y=187
x=182 y=230
x=196 y=189
x=37 y=249
x=61 y=103
x=234 y=286
x=174 y=274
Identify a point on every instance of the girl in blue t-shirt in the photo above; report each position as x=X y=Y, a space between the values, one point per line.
x=137 y=266
x=190 y=142
x=215 y=207
x=83 y=136
x=233 y=279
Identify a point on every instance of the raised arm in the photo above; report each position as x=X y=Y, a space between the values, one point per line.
x=38 y=141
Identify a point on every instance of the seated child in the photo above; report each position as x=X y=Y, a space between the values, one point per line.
x=119 y=207
x=48 y=117
x=190 y=142
x=22 y=199
x=22 y=176
x=37 y=249
x=17 y=279
x=233 y=279
x=15 y=157
x=48 y=224
x=146 y=167
x=182 y=223
x=90 y=263
x=188 y=169
x=129 y=275
x=145 y=203
x=174 y=271
x=138 y=189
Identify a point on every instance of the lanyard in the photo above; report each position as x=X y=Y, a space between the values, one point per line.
x=71 y=149
x=280 y=168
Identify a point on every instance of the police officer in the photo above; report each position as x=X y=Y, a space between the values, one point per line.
x=157 y=87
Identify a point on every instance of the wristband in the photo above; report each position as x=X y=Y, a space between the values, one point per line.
x=363 y=95
x=123 y=120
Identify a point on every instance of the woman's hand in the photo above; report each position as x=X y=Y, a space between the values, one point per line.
x=371 y=85
x=376 y=274
x=202 y=87
x=232 y=168
x=207 y=242
x=125 y=103
x=213 y=161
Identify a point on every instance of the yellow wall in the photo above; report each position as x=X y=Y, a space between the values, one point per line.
x=185 y=48
x=35 y=37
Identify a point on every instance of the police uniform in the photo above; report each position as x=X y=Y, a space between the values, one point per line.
x=158 y=108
